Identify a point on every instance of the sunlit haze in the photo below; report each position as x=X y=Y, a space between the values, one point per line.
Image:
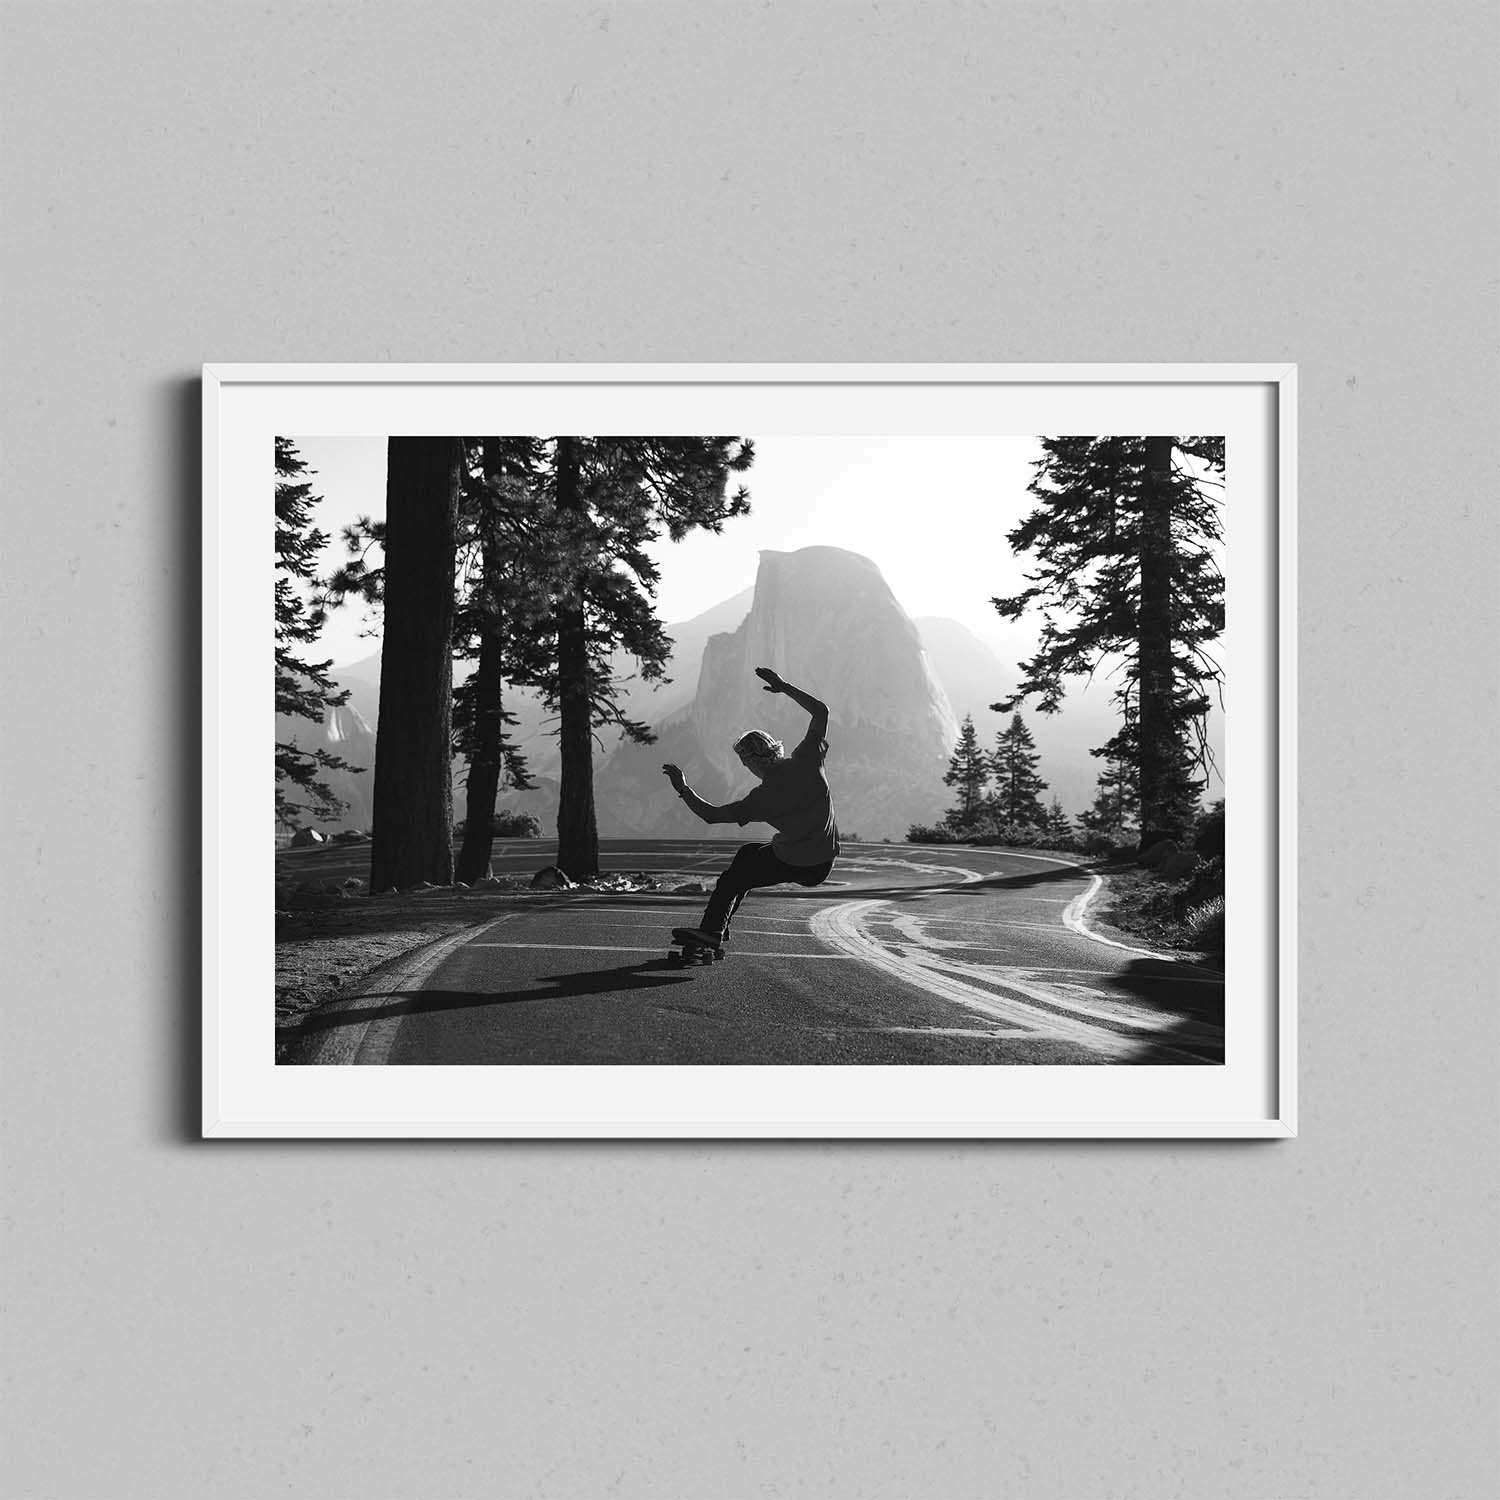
x=932 y=513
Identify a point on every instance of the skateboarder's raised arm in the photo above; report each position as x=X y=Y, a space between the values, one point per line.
x=730 y=812
x=818 y=729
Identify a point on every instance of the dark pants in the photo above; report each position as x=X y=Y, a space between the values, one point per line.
x=754 y=866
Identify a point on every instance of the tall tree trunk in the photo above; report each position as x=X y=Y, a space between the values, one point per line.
x=484 y=763
x=412 y=837
x=1158 y=734
x=484 y=766
x=577 y=832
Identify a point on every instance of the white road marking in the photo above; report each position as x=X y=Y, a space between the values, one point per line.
x=370 y=1041
x=839 y=927
x=984 y=1033
x=1056 y=1012
x=1064 y=1007
x=1076 y=999
x=1088 y=973
x=915 y=930
x=1073 y=919
x=967 y=877
x=1046 y=859
x=1051 y=927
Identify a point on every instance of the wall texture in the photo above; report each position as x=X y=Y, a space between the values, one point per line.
x=1189 y=180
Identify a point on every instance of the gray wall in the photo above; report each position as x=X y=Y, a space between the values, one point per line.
x=1185 y=181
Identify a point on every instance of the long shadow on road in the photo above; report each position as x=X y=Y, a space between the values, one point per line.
x=654 y=974
x=980 y=887
x=1197 y=1006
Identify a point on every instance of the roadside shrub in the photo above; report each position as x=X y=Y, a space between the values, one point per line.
x=1204 y=925
x=510 y=824
x=1150 y=859
x=986 y=833
x=1028 y=836
x=920 y=834
x=1208 y=832
x=1179 y=865
x=1207 y=883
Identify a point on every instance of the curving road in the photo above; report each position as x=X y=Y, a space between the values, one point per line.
x=907 y=955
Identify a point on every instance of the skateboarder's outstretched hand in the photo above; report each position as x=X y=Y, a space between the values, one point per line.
x=773 y=683
x=675 y=776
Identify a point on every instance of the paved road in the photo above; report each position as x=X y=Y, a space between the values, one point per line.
x=909 y=955
x=862 y=866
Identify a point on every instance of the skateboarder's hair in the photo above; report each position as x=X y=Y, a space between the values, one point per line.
x=758 y=742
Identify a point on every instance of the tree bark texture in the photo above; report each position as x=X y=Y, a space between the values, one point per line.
x=412 y=837
x=484 y=763
x=484 y=766
x=577 y=830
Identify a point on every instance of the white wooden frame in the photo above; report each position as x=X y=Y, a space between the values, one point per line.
x=245 y=1094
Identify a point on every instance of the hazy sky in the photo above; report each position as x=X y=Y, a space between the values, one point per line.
x=931 y=512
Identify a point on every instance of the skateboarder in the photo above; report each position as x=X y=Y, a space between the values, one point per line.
x=793 y=797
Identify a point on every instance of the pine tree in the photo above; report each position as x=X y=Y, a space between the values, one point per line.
x=500 y=596
x=969 y=772
x=495 y=624
x=1124 y=538
x=612 y=496
x=577 y=829
x=1017 y=799
x=569 y=523
x=1056 y=825
x=412 y=835
x=303 y=687
x=1116 y=804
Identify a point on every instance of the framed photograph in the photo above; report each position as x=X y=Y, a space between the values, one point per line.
x=915 y=760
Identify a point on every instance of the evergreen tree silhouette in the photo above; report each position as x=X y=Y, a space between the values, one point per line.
x=1124 y=545
x=612 y=497
x=303 y=688
x=1116 y=804
x=412 y=832
x=496 y=623
x=969 y=772
x=1056 y=824
x=1017 y=799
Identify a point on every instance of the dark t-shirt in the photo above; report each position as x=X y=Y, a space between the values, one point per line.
x=795 y=800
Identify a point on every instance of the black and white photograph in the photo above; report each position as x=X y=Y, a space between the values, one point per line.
x=757 y=749
x=751 y=750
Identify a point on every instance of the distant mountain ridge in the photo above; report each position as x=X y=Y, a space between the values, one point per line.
x=344 y=732
x=826 y=620
x=823 y=616
x=975 y=677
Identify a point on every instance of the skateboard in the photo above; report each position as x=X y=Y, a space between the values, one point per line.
x=689 y=949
